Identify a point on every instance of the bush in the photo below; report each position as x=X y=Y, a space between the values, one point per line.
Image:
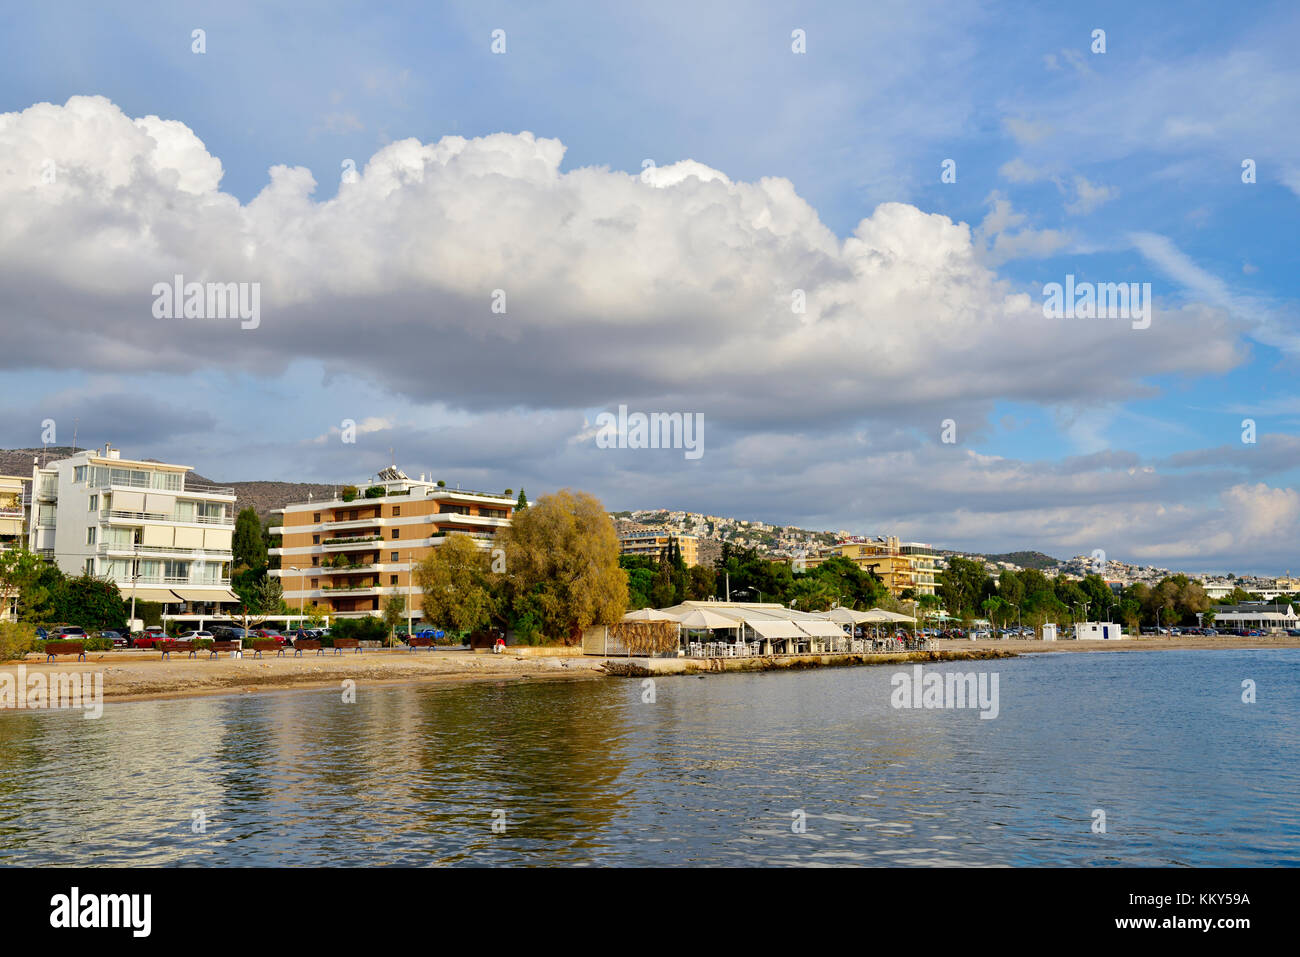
x=203 y=644
x=16 y=639
x=441 y=484
x=376 y=491
x=99 y=643
x=349 y=493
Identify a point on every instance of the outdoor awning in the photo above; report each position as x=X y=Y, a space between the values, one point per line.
x=204 y=594
x=649 y=614
x=820 y=629
x=148 y=594
x=780 y=629
x=848 y=615
x=703 y=618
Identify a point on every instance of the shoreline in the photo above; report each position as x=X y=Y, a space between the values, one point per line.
x=143 y=676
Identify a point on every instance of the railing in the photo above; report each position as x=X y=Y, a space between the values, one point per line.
x=145 y=549
x=11 y=513
x=210 y=489
x=160 y=517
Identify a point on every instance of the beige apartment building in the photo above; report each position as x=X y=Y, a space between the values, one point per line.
x=652 y=540
x=900 y=565
x=349 y=556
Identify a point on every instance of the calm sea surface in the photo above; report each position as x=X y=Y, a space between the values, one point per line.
x=712 y=772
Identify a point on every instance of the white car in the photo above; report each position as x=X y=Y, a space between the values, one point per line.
x=193 y=635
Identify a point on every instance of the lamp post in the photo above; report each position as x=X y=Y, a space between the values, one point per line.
x=410 y=573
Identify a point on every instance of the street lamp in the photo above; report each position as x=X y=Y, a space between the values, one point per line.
x=410 y=573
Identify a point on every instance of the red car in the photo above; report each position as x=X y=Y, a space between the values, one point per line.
x=270 y=633
x=149 y=639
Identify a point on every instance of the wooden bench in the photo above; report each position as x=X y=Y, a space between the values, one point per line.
x=168 y=647
x=219 y=646
x=260 y=645
x=53 y=648
x=307 y=644
x=341 y=643
x=415 y=641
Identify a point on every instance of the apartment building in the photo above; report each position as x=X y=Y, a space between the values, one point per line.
x=900 y=565
x=159 y=537
x=652 y=540
x=14 y=503
x=349 y=555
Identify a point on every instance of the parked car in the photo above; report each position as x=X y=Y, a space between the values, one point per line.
x=269 y=633
x=149 y=639
x=195 y=635
x=116 y=637
x=72 y=632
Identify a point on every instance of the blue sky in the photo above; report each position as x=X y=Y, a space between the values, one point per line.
x=1115 y=166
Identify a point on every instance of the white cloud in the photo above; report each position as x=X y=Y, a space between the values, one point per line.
x=1089 y=196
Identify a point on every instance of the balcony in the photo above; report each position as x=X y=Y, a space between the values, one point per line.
x=335 y=544
x=215 y=554
x=119 y=515
x=202 y=489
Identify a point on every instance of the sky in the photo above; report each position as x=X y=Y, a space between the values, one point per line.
x=826 y=230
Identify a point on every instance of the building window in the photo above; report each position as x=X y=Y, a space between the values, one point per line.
x=397 y=533
x=90 y=566
x=94 y=504
x=392 y=579
x=352 y=515
x=90 y=535
x=315 y=561
x=394 y=558
x=315 y=517
x=315 y=582
x=315 y=539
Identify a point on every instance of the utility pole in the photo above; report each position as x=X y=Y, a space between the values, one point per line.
x=410 y=573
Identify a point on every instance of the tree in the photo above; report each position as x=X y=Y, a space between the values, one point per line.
x=268 y=596
x=522 y=502
x=249 y=546
x=562 y=565
x=455 y=580
x=93 y=603
x=394 y=612
x=19 y=570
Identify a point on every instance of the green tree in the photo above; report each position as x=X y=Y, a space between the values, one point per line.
x=20 y=569
x=562 y=565
x=268 y=597
x=249 y=546
x=93 y=603
x=522 y=502
x=456 y=583
x=394 y=612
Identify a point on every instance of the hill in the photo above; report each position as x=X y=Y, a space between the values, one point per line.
x=1037 y=560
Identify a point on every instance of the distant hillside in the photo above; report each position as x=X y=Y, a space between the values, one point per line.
x=1037 y=560
x=262 y=496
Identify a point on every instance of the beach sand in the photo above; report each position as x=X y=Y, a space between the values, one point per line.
x=137 y=675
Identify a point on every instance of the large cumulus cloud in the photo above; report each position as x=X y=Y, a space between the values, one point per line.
x=669 y=289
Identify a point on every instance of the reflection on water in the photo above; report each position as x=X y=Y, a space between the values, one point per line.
x=711 y=773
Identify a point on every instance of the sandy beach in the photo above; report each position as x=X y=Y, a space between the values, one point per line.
x=132 y=675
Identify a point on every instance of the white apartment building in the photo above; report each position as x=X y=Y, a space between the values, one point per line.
x=140 y=524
